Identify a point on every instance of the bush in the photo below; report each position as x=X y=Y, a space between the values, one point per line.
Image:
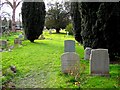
x=69 y=28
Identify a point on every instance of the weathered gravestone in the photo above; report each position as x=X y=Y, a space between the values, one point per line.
x=3 y=44
x=20 y=36
x=17 y=41
x=87 y=53
x=50 y=31
x=41 y=37
x=70 y=62
x=99 y=62
x=69 y=46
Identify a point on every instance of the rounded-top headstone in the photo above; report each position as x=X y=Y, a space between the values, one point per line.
x=70 y=62
x=87 y=53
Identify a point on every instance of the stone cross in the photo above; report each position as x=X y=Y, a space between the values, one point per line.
x=70 y=62
x=87 y=53
x=99 y=62
x=69 y=46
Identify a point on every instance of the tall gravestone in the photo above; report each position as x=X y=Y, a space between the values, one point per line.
x=70 y=62
x=99 y=62
x=87 y=53
x=69 y=46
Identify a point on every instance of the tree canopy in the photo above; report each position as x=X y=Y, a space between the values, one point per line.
x=98 y=24
x=57 y=17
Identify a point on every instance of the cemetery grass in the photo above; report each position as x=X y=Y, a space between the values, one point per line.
x=39 y=65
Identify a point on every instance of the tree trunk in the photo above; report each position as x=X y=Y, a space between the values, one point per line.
x=57 y=30
x=13 y=20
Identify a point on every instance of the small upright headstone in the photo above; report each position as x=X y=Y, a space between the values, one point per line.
x=50 y=32
x=41 y=37
x=67 y=33
x=87 y=53
x=17 y=41
x=99 y=62
x=69 y=46
x=20 y=36
x=3 y=44
x=70 y=62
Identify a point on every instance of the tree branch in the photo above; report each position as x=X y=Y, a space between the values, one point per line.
x=9 y=3
x=18 y=3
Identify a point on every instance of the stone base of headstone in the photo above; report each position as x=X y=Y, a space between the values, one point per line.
x=87 y=53
x=70 y=62
x=17 y=41
x=3 y=44
x=99 y=62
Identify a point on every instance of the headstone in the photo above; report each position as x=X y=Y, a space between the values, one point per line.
x=69 y=46
x=20 y=36
x=17 y=41
x=87 y=53
x=1 y=50
x=70 y=62
x=99 y=62
x=50 y=32
x=41 y=37
x=3 y=44
x=67 y=33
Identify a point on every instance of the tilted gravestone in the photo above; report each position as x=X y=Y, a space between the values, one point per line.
x=69 y=46
x=70 y=62
x=87 y=53
x=3 y=44
x=99 y=62
x=17 y=41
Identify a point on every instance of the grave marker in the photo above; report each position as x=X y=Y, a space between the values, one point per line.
x=3 y=44
x=99 y=62
x=69 y=46
x=87 y=53
x=70 y=62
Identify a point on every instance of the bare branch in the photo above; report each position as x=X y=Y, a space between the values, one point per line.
x=9 y=3
x=18 y=3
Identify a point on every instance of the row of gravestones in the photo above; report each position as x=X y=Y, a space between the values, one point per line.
x=4 y=43
x=99 y=59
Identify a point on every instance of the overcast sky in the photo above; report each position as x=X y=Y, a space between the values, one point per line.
x=7 y=8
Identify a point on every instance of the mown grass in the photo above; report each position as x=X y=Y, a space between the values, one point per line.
x=39 y=65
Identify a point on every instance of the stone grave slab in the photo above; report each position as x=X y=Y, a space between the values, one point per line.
x=70 y=62
x=3 y=44
x=99 y=62
x=87 y=53
x=17 y=41
x=69 y=46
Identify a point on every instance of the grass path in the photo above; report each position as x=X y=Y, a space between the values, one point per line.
x=39 y=65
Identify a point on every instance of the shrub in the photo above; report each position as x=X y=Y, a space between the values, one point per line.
x=69 y=28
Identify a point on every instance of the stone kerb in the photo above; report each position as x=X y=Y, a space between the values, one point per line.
x=99 y=62
x=70 y=62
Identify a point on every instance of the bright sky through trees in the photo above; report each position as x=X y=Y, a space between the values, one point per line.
x=7 y=8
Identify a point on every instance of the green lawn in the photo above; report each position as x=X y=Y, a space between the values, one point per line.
x=39 y=65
